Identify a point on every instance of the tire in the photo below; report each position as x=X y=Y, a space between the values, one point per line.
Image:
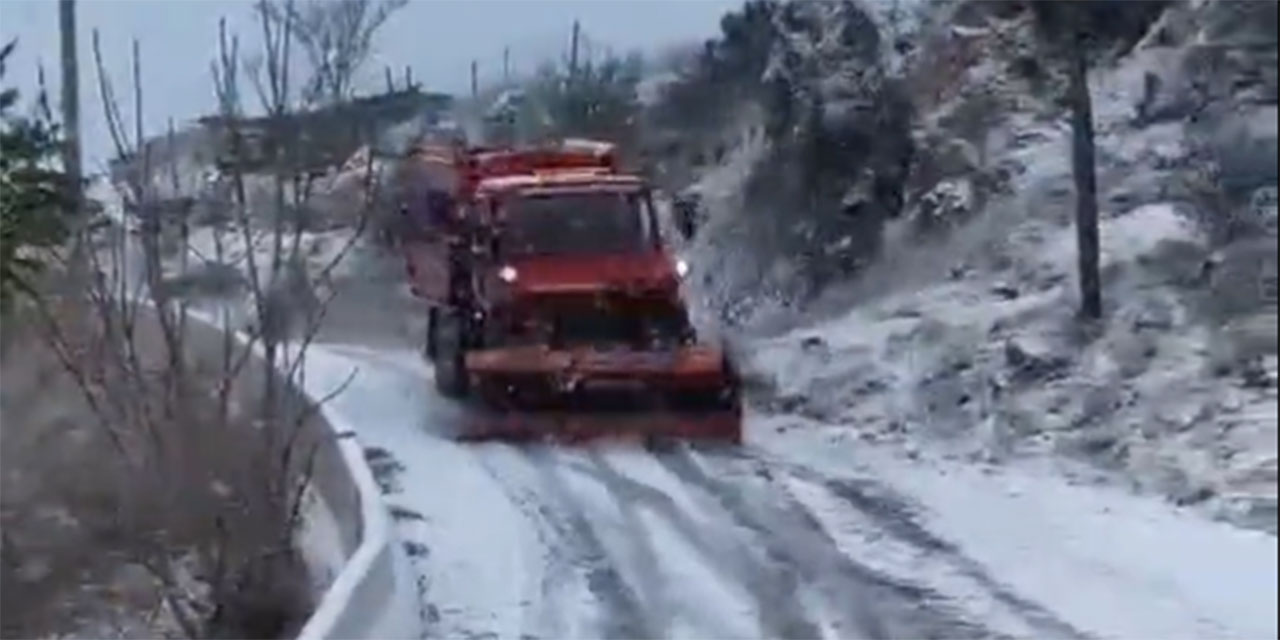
x=429 y=340
x=448 y=348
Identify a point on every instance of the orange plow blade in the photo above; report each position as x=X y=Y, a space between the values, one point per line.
x=570 y=427
x=520 y=395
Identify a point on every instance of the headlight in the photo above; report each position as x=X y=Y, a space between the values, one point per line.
x=682 y=268
x=507 y=274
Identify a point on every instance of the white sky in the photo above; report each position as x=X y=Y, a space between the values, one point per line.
x=438 y=38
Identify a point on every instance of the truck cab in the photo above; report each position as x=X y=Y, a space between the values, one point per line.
x=581 y=261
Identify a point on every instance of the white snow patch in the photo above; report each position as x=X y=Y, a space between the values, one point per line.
x=566 y=606
x=1109 y=563
x=856 y=536
x=645 y=469
x=712 y=605
x=626 y=543
x=706 y=605
x=606 y=522
x=1124 y=238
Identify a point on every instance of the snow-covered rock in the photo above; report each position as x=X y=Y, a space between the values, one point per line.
x=948 y=202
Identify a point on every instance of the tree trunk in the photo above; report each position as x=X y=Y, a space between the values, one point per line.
x=1082 y=164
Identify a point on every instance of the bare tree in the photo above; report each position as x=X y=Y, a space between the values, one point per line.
x=212 y=457
x=337 y=38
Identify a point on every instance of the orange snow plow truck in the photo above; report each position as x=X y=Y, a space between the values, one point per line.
x=554 y=305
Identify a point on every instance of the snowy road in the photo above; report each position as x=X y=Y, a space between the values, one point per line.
x=798 y=534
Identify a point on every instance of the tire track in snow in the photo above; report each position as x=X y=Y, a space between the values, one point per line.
x=894 y=512
x=859 y=536
x=559 y=576
x=897 y=516
x=869 y=604
x=525 y=480
x=642 y=556
x=773 y=587
x=784 y=611
x=622 y=613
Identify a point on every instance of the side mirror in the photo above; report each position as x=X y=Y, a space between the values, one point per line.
x=686 y=218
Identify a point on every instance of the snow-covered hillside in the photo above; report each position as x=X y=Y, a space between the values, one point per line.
x=962 y=339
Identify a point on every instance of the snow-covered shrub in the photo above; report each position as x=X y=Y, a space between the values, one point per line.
x=803 y=85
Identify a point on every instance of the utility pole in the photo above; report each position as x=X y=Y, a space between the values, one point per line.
x=391 y=86
x=70 y=100
x=573 y=52
x=506 y=65
x=1082 y=165
x=475 y=83
x=408 y=78
x=573 y=72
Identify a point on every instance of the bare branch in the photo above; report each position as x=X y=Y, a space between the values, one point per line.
x=109 y=105
x=337 y=38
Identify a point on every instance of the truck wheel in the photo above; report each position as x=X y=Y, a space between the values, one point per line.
x=448 y=348
x=429 y=340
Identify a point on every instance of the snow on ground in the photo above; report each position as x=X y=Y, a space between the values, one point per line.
x=1108 y=563
x=515 y=543
x=474 y=540
x=800 y=533
x=860 y=536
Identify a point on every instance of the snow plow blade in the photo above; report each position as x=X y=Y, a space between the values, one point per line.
x=536 y=394
x=583 y=428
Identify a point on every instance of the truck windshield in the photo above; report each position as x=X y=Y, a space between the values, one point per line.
x=576 y=223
